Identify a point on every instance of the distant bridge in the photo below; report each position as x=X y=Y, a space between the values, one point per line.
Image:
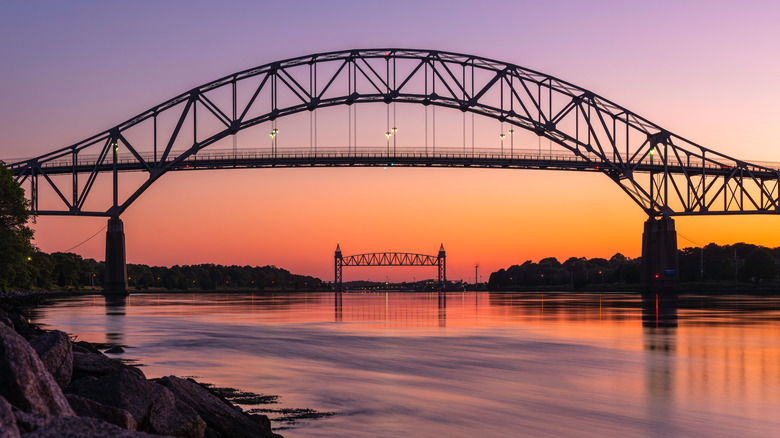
x=389 y=259
x=664 y=173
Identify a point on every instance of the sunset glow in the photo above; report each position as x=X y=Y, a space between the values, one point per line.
x=677 y=75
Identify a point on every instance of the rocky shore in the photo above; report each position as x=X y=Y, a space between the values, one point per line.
x=51 y=386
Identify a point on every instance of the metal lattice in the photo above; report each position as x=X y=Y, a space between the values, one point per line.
x=390 y=259
x=664 y=173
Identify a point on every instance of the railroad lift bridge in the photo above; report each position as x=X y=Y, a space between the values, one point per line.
x=665 y=174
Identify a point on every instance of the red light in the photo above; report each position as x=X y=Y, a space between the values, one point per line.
x=189 y=166
x=597 y=167
x=656 y=275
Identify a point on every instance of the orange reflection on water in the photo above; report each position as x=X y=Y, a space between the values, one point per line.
x=460 y=362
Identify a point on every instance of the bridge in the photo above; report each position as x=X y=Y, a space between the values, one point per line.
x=389 y=259
x=663 y=173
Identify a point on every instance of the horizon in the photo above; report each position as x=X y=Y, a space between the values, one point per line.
x=676 y=74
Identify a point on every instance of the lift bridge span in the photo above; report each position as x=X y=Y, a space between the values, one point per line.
x=663 y=173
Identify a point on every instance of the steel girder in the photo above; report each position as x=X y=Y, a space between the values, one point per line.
x=665 y=174
x=390 y=259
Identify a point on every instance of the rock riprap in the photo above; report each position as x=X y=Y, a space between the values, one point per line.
x=51 y=386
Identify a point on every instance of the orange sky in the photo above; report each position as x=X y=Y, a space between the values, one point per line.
x=708 y=75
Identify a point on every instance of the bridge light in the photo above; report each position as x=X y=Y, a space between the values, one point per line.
x=387 y=134
x=511 y=132
x=502 y=136
x=394 y=129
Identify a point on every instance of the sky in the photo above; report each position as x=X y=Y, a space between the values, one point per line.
x=703 y=70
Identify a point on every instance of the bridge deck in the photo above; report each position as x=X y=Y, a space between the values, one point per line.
x=377 y=157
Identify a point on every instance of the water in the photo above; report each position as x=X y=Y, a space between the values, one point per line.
x=464 y=364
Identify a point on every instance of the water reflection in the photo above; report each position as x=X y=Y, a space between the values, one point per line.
x=115 y=319
x=467 y=363
x=659 y=322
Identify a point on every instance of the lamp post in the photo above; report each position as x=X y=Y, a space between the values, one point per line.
x=511 y=142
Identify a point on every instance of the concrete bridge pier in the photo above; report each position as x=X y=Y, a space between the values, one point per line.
x=116 y=268
x=660 y=270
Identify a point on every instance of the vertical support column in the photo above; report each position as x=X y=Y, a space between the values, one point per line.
x=116 y=268
x=338 y=268
x=442 y=262
x=659 y=255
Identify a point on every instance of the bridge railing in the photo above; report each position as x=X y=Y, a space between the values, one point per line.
x=269 y=154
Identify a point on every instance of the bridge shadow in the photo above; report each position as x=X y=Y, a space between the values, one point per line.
x=441 y=314
x=116 y=309
x=659 y=331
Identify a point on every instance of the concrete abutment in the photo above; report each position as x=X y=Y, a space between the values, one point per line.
x=116 y=266
x=660 y=270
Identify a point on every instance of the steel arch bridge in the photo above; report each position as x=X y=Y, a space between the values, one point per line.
x=389 y=259
x=665 y=174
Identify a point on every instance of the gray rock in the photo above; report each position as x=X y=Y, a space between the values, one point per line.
x=5 y=320
x=82 y=427
x=29 y=422
x=8 y=427
x=219 y=415
x=24 y=381
x=153 y=406
x=85 y=407
x=22 y=326
x=54 y=349
x=85 y=347
x=97 y=364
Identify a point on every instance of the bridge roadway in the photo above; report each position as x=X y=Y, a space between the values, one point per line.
x=380 y=157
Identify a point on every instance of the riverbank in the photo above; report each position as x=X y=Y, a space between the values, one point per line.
x=52 y=386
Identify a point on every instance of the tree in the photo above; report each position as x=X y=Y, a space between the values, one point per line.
x=15 y=235
x=759 y=264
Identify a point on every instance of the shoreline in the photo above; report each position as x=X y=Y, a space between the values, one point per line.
x=55 y=386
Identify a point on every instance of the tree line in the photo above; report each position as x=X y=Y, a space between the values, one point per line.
x=741 y=262
x=70 y=271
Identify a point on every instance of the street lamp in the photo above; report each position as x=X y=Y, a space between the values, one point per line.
x=511 y=142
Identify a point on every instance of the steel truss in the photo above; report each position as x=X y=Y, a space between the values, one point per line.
x=390 y=259
x=665 y=174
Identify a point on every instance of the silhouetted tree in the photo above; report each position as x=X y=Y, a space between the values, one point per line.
x=15 y=236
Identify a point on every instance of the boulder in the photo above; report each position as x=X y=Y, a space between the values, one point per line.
x=116 y=349
x=153 y=406
x=8 y=427
x=27 y=422
x=85 y=347
x=54 y=349
x=97 y=364
x=218 y=414
x=84 y=407
x=22 y=326
x=83 y=427
x=24 y=381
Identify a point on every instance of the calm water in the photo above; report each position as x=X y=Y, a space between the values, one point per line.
x=465 y=364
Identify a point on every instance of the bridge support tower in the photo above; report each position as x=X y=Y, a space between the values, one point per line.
x=660 y=270
x=442 y=264
x=116 y=267
x=339 y=268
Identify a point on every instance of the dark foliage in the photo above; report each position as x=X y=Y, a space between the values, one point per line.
x=739 y=262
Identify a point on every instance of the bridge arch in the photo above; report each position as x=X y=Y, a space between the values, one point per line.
x=665 y=174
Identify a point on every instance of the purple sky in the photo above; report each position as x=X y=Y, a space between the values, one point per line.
x=704 y=70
